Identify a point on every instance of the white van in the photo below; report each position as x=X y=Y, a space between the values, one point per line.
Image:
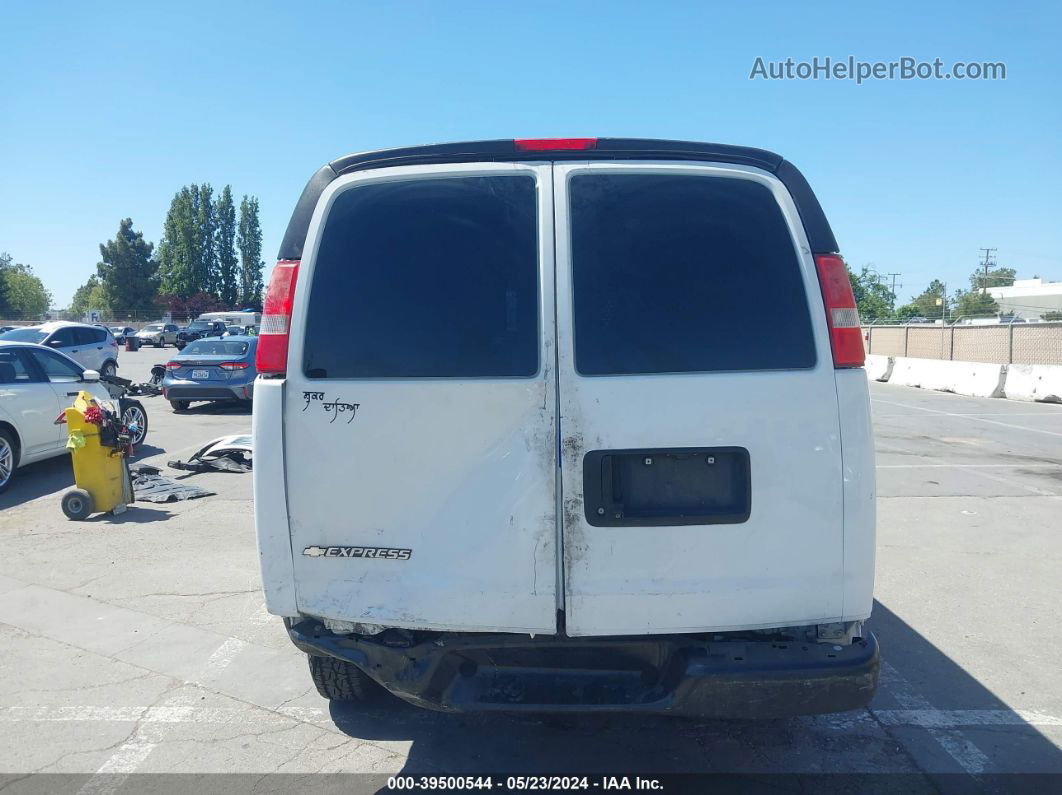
x=593 y=433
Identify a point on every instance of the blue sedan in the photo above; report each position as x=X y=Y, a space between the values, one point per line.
x=214 y=368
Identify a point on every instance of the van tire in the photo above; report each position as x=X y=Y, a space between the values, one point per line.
x=338 y=680
x=180 y=405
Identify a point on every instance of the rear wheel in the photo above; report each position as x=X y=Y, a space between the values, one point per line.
x=77 y=504
x=8 y=458
x=180 y=405
x=337 y=680
x=109 y=370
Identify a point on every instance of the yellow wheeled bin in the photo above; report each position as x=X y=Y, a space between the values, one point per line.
x=98 y=453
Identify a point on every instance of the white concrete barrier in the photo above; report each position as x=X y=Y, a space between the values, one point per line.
x=1041 y=382
x=878 y=367
x=963 y=378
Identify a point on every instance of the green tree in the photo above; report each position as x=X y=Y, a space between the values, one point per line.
x=206 y=233
x=974 y=303
x=179 y=255
x=90 y=295
x=906 y=312
x=5 y=264
x=127 y=272
x=873 y=298
x=1051 y=315
x=930 y=303
x=228 y=264
x=249 y=241
x=24 y=293
x=997 y=277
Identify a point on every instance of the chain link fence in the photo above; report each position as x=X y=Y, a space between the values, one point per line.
x=135 y=319
x=1007 y=343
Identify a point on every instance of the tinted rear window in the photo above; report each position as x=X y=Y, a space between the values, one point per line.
x=678 y=274
x=427 y=278
x=215 y=347
x=90 y=336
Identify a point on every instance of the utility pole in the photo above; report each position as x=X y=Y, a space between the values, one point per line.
x=988 y=261
x=893 y=290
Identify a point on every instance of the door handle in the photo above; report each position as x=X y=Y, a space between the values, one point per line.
x=71 y=394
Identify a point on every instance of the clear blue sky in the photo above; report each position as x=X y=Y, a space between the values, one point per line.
x=108 y=109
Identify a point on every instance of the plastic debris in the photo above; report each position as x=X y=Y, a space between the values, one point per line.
x=150 y=486
x=224 y=454
x=120 y=387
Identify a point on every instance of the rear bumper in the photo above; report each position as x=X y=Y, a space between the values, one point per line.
x=681 y=675
x=194 y=391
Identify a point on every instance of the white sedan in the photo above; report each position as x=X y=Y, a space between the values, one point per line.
x=35 y=385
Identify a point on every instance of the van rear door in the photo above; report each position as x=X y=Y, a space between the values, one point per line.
x=420 y=403
x=701 y=460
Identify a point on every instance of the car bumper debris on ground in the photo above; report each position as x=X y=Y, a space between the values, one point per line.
x=232 y=453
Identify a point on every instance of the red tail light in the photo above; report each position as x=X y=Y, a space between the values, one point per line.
x=234 y=365
x=841 y=313
x=553 y=144
x=271 y=357
x=172 y=365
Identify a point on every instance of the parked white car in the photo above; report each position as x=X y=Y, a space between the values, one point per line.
x=36 y=384
x=93 y=347
x=550 y=459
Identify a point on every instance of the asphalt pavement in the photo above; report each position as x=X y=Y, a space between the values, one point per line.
x=140 y=644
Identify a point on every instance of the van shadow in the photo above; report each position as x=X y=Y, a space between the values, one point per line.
x=855 y=742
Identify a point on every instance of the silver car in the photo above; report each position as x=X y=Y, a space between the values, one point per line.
x=93 y=347
x=158 y=334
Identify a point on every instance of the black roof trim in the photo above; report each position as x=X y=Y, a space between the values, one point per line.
x=504 y=150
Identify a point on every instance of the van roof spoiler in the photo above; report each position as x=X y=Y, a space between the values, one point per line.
x=817 y=228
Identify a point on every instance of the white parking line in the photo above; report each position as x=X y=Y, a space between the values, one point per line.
x=919 y=714
x=1046 y=413
x=969 y=466
x=114 y=772
x=972 y=418
x=1016 y=484
x=968 y=755
x=222 y=656
x=956 y=718
x=175 y=713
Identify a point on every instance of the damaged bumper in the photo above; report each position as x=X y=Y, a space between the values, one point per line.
x=681 y=675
